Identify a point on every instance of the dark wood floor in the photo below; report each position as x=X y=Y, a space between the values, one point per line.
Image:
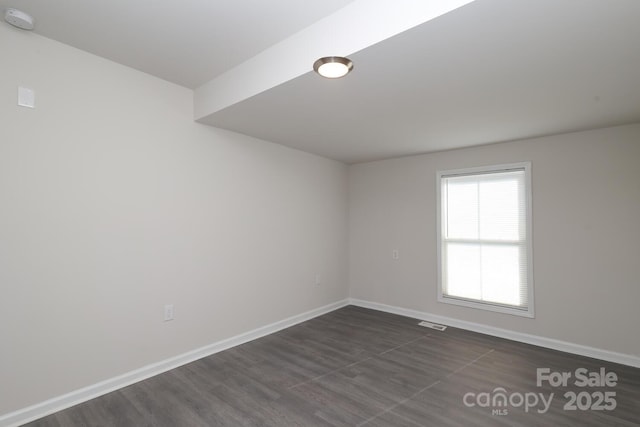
x=359 y=367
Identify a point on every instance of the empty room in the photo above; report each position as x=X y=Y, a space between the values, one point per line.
x=334 y=213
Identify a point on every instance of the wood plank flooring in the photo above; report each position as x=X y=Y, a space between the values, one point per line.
x=359 y=367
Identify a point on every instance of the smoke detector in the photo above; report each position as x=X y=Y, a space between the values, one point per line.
x=19 y=19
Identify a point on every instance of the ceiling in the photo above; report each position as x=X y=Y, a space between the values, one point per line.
x=485 y=72
x=187 y=42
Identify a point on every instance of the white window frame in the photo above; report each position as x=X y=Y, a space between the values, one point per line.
x=478 y=304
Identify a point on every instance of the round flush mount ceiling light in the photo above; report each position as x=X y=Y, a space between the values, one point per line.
x=333 y=67
x=19 y=19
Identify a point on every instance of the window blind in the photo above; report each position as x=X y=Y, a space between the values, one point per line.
x=484 y=237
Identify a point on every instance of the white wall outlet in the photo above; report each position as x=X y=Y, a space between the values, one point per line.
x=26 y=97
x=317 y=279
x=168 y=312
x=395 y=254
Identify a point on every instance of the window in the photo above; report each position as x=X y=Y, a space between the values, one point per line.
x=484 y=238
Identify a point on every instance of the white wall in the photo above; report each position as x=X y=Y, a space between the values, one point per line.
x=113 y=202
x=586 y=220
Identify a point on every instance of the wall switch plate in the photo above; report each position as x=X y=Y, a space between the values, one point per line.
x=317 y=279
x=26 y=97
x=168 y=312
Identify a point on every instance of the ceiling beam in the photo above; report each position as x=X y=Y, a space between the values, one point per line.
x=357 y=26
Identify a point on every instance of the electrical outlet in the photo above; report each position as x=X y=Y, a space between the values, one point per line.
x=395 y=254
x=317 y=279
x=168 y=312
x=26 y=97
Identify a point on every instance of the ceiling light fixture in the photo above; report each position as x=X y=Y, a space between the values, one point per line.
x=333 y=67
x=19 y=19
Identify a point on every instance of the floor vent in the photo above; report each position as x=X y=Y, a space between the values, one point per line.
x=433 y=326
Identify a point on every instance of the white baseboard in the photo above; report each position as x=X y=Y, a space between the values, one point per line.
x=50 y=406
x=596 y=353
